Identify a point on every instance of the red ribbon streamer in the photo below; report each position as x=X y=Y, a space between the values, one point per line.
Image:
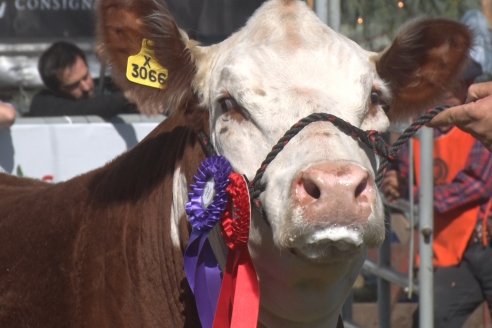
x=239 y=298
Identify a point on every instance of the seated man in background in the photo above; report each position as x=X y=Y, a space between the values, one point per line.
x=7 y=114
x=70 y=87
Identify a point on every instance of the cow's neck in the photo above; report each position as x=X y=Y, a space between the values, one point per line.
x=296 y=293
x=304 y=301
x=142 y=253
x=180 y=196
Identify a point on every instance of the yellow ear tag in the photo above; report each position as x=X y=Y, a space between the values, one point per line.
x=143 y=69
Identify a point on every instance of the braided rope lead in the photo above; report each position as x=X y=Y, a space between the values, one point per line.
x=207 y=147
x=373 y=139
x=408 y=133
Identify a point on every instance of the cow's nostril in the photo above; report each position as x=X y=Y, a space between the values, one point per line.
x=360 y=188
x=311 y=188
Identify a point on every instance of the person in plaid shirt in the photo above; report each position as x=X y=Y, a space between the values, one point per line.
x=462 y=209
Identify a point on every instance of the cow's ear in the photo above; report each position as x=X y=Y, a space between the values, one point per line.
x=424 y=60
x=149 y=56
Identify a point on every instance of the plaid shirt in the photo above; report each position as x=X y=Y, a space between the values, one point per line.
x=471 y=186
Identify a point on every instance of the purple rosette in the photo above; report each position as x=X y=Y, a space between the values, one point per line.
x=208 y=197
x=207 y=201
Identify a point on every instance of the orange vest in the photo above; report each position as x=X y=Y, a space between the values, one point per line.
x=453 y=230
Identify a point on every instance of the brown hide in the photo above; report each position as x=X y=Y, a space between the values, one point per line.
x=95 y=251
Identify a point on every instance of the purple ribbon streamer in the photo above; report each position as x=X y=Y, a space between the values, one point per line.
x=204 y=276
x=201 y=267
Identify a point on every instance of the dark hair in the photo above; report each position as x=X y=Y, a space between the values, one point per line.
x=58 y=56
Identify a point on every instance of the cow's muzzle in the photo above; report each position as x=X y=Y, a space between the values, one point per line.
x=344 y=190
x=334 y=204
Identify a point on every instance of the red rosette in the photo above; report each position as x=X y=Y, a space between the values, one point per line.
x=239 y=298
x=237 y=216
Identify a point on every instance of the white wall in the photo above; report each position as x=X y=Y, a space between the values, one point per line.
x=63 y=147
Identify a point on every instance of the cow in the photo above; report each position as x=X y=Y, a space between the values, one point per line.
x=105 y=248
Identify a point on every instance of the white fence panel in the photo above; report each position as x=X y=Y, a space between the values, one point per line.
x=62 y=148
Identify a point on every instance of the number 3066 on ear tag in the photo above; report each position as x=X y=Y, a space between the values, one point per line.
x=143 y=69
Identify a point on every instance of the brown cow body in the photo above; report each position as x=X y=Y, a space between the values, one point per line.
x=95 y=251
x=105 y=249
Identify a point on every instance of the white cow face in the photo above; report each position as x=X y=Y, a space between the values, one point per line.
x=280 y=68
x=320 y=208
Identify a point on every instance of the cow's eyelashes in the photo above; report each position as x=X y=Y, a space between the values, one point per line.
x=375 y=98
x=233 y=110
x=228 y=104
x=378 y=100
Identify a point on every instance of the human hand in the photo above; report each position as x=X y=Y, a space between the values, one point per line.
x=7 y=114
x=474 y=117
x=390 y=186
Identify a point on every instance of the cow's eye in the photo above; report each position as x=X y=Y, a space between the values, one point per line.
x=228 y=104
x=375 y=98
x=232 y=109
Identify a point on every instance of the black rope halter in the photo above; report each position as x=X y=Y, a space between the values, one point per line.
x=371 y=138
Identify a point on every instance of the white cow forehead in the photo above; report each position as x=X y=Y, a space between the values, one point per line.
x=285 y=50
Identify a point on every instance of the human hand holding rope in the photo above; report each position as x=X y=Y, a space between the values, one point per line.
x=474 y=117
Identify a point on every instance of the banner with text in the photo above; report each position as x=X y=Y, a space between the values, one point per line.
x=26 y=20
